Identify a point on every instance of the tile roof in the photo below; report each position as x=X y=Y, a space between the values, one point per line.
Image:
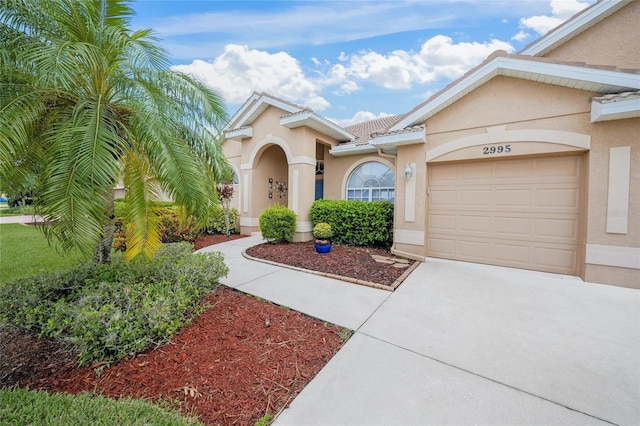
x=617 y=97
x=364 y=130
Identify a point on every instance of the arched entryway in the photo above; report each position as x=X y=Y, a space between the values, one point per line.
x=270 y=179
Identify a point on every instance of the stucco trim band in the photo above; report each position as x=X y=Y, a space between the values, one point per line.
x=499 y=134
x=405 y=236
x=623 y=257
x=618 y=193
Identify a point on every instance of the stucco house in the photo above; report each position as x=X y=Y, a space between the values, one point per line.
x=530 y=160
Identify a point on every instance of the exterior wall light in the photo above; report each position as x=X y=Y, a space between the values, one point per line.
x=408 y=172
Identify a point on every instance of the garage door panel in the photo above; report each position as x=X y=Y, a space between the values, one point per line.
x=513 y=198
x=443 y=198
x=557 y=198
x=474 y=250
x=556 y=259
x=515 y=255
x=475 y=224
x=514 y=170
x=443 y=247
x=558 y=169
x=510 y=225
x=519 y=213
x=442 y=223
x=474 y=198
x=557 y=228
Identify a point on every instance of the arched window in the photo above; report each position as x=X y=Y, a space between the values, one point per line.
x=371 y=181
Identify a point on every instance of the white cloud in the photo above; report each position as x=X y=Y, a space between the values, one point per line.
x=239 y=71
x=438 y=58
x=358 y=117
x=561 y=10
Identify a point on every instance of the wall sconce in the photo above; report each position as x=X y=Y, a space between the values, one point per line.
x=270 y=187
x=408 y=172
x=281 y=189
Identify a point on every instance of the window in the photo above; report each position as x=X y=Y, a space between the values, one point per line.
x=371 y=181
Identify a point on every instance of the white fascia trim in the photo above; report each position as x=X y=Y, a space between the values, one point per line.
x=243 y=133
x=261 y=105
x=399 y=139
x=339 y=151
x=617 y=110
x=622 y=257
x=514 y=67
x=310 y=119
x=585 y=20
x=254 y=97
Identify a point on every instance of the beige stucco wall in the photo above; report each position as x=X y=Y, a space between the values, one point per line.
x=508 y=106
x=282 y=154
x=613 y=41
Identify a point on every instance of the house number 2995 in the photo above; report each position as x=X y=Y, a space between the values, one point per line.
x=488 y=150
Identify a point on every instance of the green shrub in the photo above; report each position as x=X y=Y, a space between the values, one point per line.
x=322 y=231
x=174 y=230
x=356 y=223
x=111 y=311
x=216 y=223
x=119 y=208
x=278 y=224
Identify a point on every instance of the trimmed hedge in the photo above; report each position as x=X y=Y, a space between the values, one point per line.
x=278 y=224
x=356 y=223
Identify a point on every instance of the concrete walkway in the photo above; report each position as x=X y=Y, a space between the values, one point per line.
x=18 y=219
x=460 y=343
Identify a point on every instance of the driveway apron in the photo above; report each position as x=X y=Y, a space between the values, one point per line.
x=461 y=343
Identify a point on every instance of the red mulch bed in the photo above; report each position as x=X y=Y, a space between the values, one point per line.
x=243 y=357
x=345 y=261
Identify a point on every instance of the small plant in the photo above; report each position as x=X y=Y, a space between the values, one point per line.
x=322 y=231
x=278 y=224
x=264 y=420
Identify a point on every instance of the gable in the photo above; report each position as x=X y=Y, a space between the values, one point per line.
x=510 y=100
x=593 y=79
x=613 y=41
x=577 y=24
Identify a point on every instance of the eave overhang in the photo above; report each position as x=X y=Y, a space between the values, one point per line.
x=578 y=77
x=615 y=108
x=350 y=149
x=314 y=121
x=412 y=136
x=241 y=133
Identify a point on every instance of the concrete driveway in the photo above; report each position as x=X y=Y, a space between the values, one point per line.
x=460 y=343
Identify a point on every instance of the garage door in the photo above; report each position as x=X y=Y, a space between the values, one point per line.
x=518 y=213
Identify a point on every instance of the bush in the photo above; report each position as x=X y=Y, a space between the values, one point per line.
x=278 y=224
x=174 y=230
x=322 y=231
x=111 y=311
x=171 y=228
x=216 y=224
x=356 y=223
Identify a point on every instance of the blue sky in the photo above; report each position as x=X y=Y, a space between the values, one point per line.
x=349 y=61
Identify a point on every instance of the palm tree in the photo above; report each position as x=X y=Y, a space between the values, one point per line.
x=86 y=101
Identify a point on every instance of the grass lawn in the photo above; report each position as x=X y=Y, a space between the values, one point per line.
x=24 y=252
x=21 y=407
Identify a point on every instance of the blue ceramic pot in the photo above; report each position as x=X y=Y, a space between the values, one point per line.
x=323 y=248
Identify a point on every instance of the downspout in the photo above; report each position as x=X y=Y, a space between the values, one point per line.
x=384 y=154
